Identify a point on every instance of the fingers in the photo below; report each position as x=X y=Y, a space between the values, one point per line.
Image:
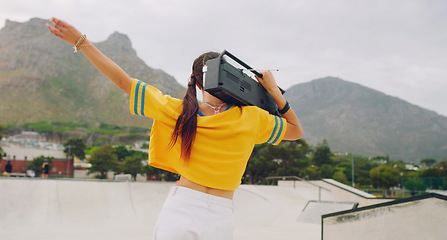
x=267 y=81
x=63 y=30
x=54 y=31
x=55 y=28
x=59 y=24
x=265 y=75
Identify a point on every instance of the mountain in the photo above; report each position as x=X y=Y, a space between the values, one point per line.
x=41 y=79
x=360 y=120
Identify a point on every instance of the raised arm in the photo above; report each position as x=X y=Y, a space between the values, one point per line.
x=294 y=130
x=110 y=69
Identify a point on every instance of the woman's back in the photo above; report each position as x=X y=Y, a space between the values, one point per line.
x=223 y=143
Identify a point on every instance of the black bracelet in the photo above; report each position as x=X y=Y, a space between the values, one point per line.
x=285 y=108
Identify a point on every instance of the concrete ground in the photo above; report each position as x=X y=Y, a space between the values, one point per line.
x=73 y=209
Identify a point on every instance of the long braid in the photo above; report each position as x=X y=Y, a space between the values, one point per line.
x=188 y=118
x=186 y=125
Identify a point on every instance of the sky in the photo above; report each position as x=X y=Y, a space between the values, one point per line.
x=397 y=47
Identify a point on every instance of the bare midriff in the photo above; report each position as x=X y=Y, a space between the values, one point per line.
x=183 y=182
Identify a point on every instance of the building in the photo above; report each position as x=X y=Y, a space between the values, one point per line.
x=20 y=156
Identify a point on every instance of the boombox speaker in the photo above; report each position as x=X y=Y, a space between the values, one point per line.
x=232 y=85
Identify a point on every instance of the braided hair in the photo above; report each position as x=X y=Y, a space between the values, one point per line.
x=186 y=125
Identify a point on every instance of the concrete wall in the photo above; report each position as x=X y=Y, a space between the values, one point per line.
x=82 y=174
x=315 y=209
x=58 y=168
x=422 y=218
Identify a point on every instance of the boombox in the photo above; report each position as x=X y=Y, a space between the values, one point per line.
x=232 y=85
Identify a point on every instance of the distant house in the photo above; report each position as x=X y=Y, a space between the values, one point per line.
x=20 y=156
x=411 y=167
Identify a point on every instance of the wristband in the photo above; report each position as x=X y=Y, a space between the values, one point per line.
x=285 y=108
x=78 y=43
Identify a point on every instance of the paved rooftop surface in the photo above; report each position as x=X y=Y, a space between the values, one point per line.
x=73 y=209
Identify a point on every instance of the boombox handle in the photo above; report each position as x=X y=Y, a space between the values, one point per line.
x=225 y=52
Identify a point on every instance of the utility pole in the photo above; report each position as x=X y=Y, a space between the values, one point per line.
x=68 y=159
x=352 y=160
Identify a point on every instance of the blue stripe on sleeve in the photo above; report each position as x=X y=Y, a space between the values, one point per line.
x=274 y=130
x=135 y=102
x=142 y=98
x=279 y=132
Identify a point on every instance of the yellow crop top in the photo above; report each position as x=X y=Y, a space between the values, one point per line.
x=223 y=142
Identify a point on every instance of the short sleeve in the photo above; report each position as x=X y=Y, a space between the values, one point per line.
x=148 y=101
x=271 y=128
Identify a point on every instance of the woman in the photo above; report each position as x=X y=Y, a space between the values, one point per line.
x=45 y=169
x=208 y=145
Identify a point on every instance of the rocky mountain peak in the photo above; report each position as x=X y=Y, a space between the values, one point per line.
x=119 y=38
x=33 y=27
x=118 y=41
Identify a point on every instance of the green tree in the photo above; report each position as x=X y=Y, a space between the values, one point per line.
x=103 y=160
x=2 y=128
x=286 y=159
x=326 y=171
x=260 y=164
x=291 y=157
x=121 y=152
x=145 y=146
x=37 y=163
x=322 y=154
x=151 y=171
x=159 y=173
x=384 y=176
x=414 y=184
x=75 y=147
x=433 y=172
x=362 y=170
x=134 y=163
x=312 y=173
x=340 y=177
x=169 y=176
x=2 y=152
x=442 y=165
x=428 y=162
x=259 y=168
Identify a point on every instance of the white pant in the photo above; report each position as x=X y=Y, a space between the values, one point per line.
x=188 y=214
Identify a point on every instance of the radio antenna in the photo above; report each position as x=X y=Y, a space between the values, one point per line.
x=263 y=70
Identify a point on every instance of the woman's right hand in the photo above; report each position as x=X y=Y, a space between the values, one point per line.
x=294 y=130
x=64 y=31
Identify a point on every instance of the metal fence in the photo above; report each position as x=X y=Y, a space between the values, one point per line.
x=424 y=183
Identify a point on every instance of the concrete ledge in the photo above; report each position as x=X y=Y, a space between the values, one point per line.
x=420 y=217
x=18 y=174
